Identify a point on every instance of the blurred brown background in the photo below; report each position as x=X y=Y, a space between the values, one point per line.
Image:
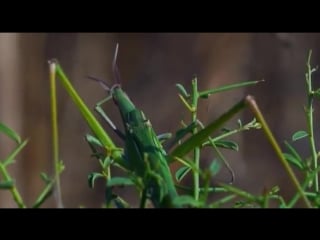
x=150 y=65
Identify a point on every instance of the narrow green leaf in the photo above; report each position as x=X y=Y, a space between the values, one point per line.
x=250 y=197
x=182 y=172
x=6 y=184
x=184 y=131
x=14 y=153
x=293 y=160
x=106 y=162
x=110 y=196
x=92 y=177
x=186 y=200
x=189 y=164
x=207 y=93
x=274 y=190
x=200 y=137
x=45 y=177
x=119 y=181
x=299 y=135
x=8 y=161
x=317 y=93
x=44 y=195
x=93 y=140
x=120 y=203
x=181 y=133
x=182 y=90
x=60 y=166
x=227 y=145
x=215 y=167
x=296 y=158
x=10 y=133
x=222 y=201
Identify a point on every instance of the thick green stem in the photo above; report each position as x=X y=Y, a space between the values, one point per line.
x=94 y=125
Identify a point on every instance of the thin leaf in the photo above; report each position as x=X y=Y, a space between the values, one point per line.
x=293 y=160
x=317 y=93
x=215 y=167
x=47 y=191
x=227 y=145
x=93 y=140
x=109 y=195
x=8 y=161
x=92 y=177
x=14 y=153
x=6 y=184
x=189 y=164
x=10 y=133
x=184 y=200
x=296 y=158
x=240 y=192
x=60 y=166
x=45 y=177
x=200 y=137
x=299 y=135
x=182 y=90
x=120 y=203
x=274 y=190
x=181 y=133
x=207 y=93
x=119 y=181
x=222 y=201
x=182 y=172
x=106 y=162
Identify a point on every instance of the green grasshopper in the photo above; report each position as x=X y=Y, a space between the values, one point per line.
x=143 y=154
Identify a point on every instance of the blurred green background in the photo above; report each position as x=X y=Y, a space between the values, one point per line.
x=150 y=64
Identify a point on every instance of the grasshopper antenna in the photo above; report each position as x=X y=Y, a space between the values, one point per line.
x=102 y=83
x=115 y=69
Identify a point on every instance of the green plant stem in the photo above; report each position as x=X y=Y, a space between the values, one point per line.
x=241 y=193
x=209 y=92
x=280 y=199
x=309 y=112
x=14 y=191
x=55 y=137
x=95 y=126
x=222 y=201
x=255 y=109
x=305 y=184
x=196 y=151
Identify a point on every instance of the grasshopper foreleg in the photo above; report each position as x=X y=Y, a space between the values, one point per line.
x=99 y=110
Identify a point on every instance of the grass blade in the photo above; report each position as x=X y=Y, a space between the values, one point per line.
x=206 y=94
x=10 y=133
x=94 y=125
x=200 y=137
